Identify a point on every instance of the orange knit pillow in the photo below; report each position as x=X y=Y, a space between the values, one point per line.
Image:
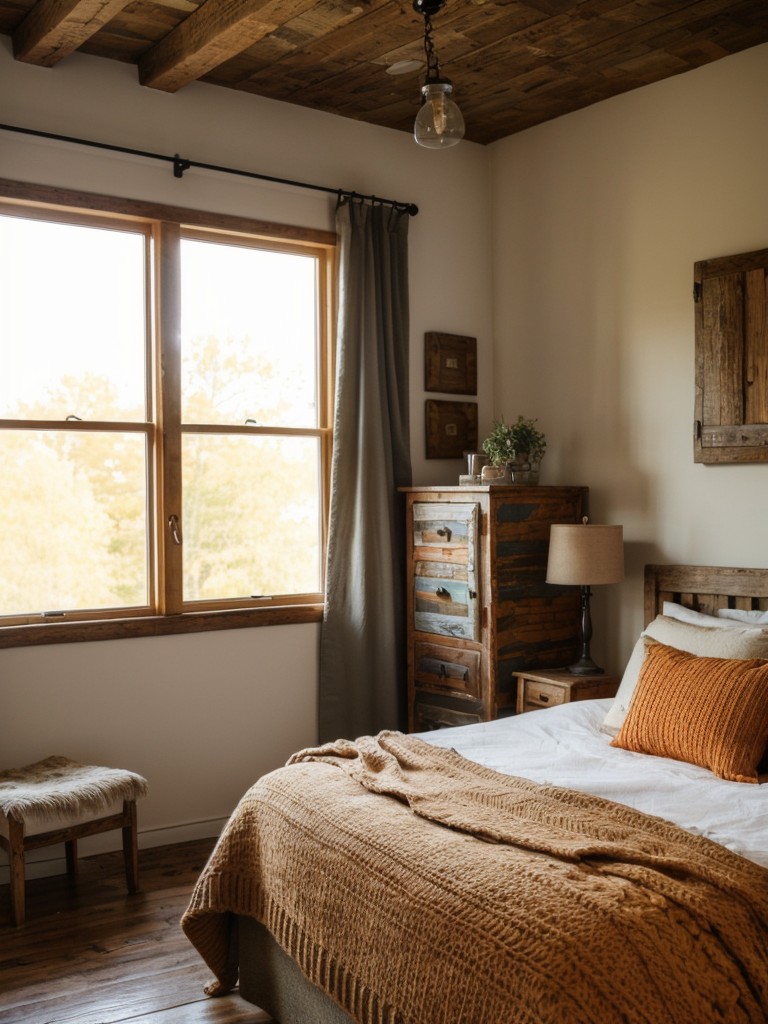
x=708 y=711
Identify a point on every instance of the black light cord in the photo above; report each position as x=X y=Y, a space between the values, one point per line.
x=433 y=64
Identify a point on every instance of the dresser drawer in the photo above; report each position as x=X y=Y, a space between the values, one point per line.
x=542 y=695
x=446 y=669
x=428 y=717
x=444 y=571
x=443 y=604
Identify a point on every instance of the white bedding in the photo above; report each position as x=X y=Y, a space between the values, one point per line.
x=563 y=746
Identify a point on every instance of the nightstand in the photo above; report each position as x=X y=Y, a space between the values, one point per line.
x=546 y=687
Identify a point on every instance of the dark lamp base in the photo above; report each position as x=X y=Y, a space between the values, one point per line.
x=585 y=667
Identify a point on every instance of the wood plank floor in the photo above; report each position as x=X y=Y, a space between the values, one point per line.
x=91 y=954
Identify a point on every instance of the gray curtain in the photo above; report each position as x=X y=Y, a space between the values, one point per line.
x=362 y=647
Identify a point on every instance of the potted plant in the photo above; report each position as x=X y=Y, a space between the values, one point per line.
x=518 y=446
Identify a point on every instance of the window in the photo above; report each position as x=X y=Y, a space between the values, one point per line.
x=164 y=420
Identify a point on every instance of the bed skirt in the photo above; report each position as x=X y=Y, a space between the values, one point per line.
x=271 y=980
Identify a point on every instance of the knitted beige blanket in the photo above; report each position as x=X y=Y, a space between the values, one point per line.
x=415 y=887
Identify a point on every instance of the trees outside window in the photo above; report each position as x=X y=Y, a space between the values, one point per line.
x=164 y=417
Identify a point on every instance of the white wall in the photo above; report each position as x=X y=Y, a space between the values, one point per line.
x=599 y=217
x=203 y=716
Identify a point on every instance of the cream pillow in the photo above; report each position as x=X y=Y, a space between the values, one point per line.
x=684 y=614
x=712 y=712
x=739 y=642
x=753 y=616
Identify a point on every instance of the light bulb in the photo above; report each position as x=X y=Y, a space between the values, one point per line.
x=439 y=122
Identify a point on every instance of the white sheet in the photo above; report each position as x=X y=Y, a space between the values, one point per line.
x=563 y=746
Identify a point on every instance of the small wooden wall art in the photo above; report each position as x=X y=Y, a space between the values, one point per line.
x=450 y=363
x=451 y=429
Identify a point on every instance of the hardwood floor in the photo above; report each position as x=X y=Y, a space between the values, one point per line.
x=91 y=954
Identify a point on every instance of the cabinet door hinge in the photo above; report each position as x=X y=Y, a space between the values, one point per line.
x=697 y=291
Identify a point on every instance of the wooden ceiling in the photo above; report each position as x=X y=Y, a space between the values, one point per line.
x=513 y=64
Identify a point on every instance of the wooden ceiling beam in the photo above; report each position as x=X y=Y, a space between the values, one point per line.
x=211 y=35
x=55 y=28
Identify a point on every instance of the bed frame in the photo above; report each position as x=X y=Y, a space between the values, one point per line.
x=270 y=979
x=705 y=588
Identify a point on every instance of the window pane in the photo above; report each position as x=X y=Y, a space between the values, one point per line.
x=73 y=321
x=249 y=341
x=73 y=521
x=251 y=516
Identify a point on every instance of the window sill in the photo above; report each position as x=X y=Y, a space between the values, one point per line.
x=156 y=625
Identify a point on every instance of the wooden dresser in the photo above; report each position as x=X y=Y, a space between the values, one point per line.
x=479 y=609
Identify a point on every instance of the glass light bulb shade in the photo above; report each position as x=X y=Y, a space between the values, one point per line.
x=439 y=122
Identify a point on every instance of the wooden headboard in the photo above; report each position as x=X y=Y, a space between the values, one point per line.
x=704 y=588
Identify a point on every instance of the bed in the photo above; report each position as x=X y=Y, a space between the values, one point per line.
x=593 y=862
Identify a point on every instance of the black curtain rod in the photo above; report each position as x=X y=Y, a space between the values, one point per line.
x=181 y=164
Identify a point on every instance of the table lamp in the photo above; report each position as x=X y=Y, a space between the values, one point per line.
x=584 y=555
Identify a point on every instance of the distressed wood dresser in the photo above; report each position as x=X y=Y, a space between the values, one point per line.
x=479 y=609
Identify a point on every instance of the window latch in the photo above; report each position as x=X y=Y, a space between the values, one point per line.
x=175 y=528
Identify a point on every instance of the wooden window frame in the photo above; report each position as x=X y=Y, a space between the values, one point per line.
x=166 y=225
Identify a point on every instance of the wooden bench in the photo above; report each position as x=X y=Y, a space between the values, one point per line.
x=57 y=800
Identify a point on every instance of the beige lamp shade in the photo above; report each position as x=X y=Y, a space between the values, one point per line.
x=585 y=554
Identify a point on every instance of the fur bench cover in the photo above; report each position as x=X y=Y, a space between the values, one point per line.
x=415 y=887
x=57 y=787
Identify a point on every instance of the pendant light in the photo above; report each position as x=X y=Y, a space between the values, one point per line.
x=439 y=122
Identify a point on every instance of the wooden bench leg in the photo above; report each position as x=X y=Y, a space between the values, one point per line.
x=131 y=846
x=16 y=864
x=70 y=852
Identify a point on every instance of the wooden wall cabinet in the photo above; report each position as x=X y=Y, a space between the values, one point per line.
x=731 y=405
x=479 y=609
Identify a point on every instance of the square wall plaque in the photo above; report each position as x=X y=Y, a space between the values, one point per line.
x=451 y=429
x=450 y=363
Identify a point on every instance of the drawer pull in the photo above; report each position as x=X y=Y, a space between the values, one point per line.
x=444 y=531
x=443 y=592
x=544 y=698
x=443 y=674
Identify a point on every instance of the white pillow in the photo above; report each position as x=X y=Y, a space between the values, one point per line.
x=744 y=615
x=683 y=614
x=703 y=641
